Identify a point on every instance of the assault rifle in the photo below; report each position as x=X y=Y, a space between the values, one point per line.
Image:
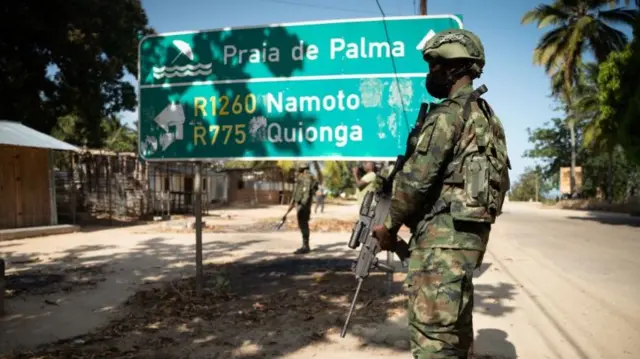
x=373 y=210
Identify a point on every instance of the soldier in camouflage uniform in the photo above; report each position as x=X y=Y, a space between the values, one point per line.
x=448 y=193
x=302 y=199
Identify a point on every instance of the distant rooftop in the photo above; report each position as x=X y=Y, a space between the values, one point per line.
x=17 y=134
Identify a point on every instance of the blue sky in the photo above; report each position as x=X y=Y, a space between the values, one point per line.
x=518 y=91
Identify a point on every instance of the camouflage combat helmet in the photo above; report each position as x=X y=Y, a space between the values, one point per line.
x=455 y=44
x=303 y=165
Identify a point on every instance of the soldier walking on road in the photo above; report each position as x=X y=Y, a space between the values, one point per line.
x=449 y=192
x=302 y=199
x=321 y=195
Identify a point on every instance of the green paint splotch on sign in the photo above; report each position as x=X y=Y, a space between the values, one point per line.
x=349 y=89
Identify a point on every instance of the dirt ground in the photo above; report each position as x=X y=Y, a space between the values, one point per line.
x=129 y=292
x=249 y=311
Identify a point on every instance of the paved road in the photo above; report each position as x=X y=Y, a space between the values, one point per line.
x=578 y=276
x=555 y=284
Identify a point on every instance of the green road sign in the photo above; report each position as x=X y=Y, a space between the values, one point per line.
x=343 y=89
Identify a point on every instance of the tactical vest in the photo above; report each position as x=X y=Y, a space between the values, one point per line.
x=305 y=188
x=477 y=179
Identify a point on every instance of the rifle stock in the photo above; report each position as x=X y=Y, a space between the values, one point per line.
x=373 y=210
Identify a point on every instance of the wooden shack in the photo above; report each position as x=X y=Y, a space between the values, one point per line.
x=27 y=190
x=261 y=185
x=171 y=186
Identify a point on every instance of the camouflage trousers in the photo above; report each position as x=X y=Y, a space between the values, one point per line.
x=440 y=289
x=303 y=213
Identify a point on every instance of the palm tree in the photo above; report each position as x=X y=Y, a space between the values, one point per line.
x=601 y=130
x=579 y=26
x=118 y=137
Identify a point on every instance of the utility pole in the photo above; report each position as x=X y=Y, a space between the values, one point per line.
x=537 y=182
x=537 y=186
x=423 y=7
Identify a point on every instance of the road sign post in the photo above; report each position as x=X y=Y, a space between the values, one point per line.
x=198 y=227
x=343 y=89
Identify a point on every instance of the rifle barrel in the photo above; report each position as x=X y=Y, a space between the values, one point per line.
x=353 y=305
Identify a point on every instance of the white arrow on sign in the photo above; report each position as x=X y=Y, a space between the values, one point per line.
x=424 y=40
x=172 y=115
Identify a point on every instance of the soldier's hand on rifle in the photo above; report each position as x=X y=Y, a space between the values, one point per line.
x=386 y=240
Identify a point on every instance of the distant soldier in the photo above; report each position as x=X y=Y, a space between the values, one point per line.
x=321 y=194
x=367 y=182
x=302 y=200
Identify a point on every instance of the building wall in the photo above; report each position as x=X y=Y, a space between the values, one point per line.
x=25 y=197
x=243 y=191
x=95 y=185
x=172 y=188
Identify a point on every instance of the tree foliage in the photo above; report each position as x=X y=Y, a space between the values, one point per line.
x=579 y=26
x=552 y=147
x=630 y=115
x=117 y=137
x=338 y=176
x=599 y=99
x=613 y=173
x=619 y=98
x=530 y=182
x=69 y=58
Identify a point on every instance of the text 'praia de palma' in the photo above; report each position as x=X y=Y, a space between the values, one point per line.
x=338 y=49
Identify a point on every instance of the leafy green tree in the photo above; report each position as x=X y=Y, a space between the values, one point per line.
x=66 y=129
x=618 y=179
x=119 y=137
x=619 y=100
x=530 y=186
x=338 y=176
x=578 y=26
x=603 y=132
x=69 y=57
x=629 y=123
x=552 y=147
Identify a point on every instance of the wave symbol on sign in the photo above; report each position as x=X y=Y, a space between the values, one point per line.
x=184 y=49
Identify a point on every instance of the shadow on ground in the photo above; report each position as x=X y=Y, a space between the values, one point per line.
x=611 y=219
x=493 y=341
x=264 y=304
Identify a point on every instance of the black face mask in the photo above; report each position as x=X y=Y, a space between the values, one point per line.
x=438 y=84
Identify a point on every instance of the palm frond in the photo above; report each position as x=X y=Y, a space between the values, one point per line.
x=550 y=49
x=619 y=16
x=604 y=39
x=545 y=15
x=596 y=4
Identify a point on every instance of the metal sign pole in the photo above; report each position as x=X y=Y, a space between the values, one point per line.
x=198 y=225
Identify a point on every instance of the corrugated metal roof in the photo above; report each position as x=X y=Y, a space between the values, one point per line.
x=17 y=134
